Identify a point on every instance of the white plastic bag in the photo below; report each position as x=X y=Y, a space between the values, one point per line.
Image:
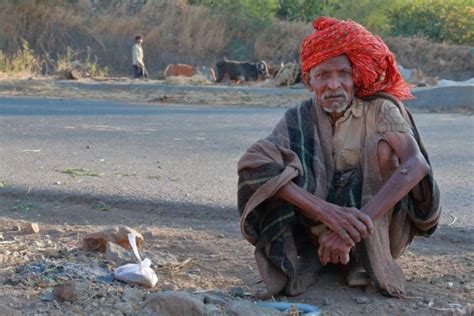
x=139 y=273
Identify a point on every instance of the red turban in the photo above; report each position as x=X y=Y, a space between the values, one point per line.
x=373 y=64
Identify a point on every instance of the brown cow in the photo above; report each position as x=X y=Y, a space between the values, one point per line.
x=189 y=71
x=180 y=70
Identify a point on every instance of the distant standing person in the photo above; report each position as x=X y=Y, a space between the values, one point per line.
x=139 y=70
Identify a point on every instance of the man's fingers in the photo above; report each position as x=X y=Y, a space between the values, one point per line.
x=342 y=232
x=320 y=253
x=367 y=221
x=326 y=256
x=353 y=232
x=334 y=256
x=360 y=227
x=344 y=258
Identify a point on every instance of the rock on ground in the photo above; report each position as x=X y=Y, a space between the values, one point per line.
x=178 y=303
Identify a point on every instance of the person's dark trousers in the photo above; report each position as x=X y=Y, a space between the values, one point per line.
x=139 y=72
x=136 y=72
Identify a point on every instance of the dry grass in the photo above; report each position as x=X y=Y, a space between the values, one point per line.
x=281 y=41
x=446 y=61
x=179 y=33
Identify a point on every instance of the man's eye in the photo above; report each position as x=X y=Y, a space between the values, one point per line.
x=322 y=75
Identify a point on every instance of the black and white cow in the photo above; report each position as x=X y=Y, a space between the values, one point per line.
x=241 y=70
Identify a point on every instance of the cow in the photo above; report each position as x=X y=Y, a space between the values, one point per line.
x=180 y=70
x=241 y=70
x=189 y=71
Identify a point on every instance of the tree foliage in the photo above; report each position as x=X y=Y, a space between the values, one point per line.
x=439 y=20
x=260 y=11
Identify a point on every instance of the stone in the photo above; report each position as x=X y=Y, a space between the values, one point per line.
x=326 y=301
x=133 y=295
x=124 y=307
x=177 y=303
x=32 y=228
x=237 y=292
x=247 y=308
x=5 y=310
x=212 y=299
x=169 y=287
x=16 y=228
x=118 y=254
x=65 y=292
x=52 y=253
x=116 y=234
x=112 y=300
x=361 y=299
x=3 y=258
x=470 y=309
x=161 y=259
x=47 y=295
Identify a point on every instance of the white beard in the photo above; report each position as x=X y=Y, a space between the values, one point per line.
x=337 y=107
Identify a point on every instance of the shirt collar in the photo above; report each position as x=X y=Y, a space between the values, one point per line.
x=357 y=107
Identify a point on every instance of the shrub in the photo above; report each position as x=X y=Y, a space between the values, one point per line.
x=23 y=61
x=440 y=20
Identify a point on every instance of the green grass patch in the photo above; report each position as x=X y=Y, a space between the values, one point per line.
x=154 y=177
x=80 y=172
x=22 y=206
x=101 y=206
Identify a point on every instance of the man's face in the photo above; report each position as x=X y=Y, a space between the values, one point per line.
x=332 y=83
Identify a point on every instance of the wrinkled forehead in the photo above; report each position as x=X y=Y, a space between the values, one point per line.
x=335 y=63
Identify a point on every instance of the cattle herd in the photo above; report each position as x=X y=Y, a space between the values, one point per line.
x=225 y=71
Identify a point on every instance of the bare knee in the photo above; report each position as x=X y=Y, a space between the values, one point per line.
x=387 y=159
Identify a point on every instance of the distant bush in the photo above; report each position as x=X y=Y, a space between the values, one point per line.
x=439 y=20
x=23 y=61
x=262 y=11
x=72 y=60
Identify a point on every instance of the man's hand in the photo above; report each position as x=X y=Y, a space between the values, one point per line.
x=350 y=224
x=333 y=248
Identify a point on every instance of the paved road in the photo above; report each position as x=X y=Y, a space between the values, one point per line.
x=177 y=153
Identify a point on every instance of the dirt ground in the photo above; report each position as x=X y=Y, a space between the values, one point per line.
x=439 y=270
x=210 y=253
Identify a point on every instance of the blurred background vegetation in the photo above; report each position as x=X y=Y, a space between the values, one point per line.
x=435 y=34
x=439 y=20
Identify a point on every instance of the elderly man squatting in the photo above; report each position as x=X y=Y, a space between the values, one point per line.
x=345 y=173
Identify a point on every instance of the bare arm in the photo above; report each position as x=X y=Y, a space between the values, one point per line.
x=348 y=223
x=412 y=169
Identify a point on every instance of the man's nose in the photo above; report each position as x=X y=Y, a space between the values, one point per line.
x=334 y=82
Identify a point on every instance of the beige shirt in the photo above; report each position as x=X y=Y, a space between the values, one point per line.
x=137 y=55
x=360 y=122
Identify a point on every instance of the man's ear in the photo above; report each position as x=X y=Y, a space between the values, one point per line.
x=307 y=81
